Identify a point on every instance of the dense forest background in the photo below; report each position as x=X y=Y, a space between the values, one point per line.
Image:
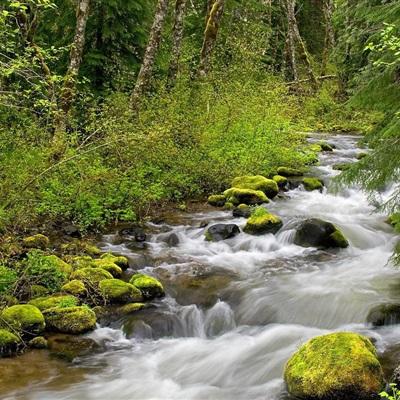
x=109 y=108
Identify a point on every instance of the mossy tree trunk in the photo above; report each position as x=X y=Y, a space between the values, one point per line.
x=68 y=89
x=215 y=12
x=153 y=45
x=177 y=37
x=295 y=37
x=329 y=34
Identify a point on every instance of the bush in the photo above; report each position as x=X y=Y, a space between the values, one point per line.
x=8 y=279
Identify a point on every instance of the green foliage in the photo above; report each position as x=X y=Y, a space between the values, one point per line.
x=394 y=393
x=8 y=278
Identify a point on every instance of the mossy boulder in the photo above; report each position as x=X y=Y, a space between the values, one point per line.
x=108 y=265
x=340 y=365
x=149 y=286
x=130 y=308
x=24 y=318
x=287 y=172
x=68 y=347
x=117 y=291
x=38 y=342
x=238 y=196
x=216 y=200
x=281 y=181
x=80 y=247
x=9 y=342
x=44 y=303
x=341 y=166
x=72 y=320
x=325 y=146
x=315 y=232
x=311 y=184
x=384 y=314
x=262 y=222
x=257 y=182
x=75 y=287
x=394 y=220
x=121 y=261
x=38 y=241
x=59 y=264
x=360 y=156
x=79 y=262
x=91 y=275
x=229 y=206
x=242 y=211
x=38 y=291
x=218 y=232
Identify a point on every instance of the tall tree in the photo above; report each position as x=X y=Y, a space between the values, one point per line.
x=153 y=45
x=329 y=33
x=177 y=36
x=214 y=15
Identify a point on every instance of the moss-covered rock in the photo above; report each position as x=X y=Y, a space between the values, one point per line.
x=80 y=247
x=360 y=156
x=91 y=275
x=238 y=196
x=24 y=318
x=341 y=166
x=61 y=265
x=110 y=266
x=130 y=308
x=287 y=172
x=73 y=320
x=311 y=184
x=44 y=303
x=121 y=261
x=218 y=232
x=228 y=206
x=281 y=181
x=394 y=220
x=340 y=365
x=242 y=211
x=38 y=241
x=68 y=347
x=325 y=146
x=315 y=232
x=80 y=262
x=384 y=314
x=257 y=182
x=117 y=291
x=9 y=342
x=262 y=222
x=149 y=286
x=316 y=148
x=75 y=287
x=216 y=200
x=38 y=342
x=38 y=291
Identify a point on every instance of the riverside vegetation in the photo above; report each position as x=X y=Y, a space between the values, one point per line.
x=112 y=112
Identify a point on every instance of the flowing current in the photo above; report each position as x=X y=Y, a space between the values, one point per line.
x=235 y=311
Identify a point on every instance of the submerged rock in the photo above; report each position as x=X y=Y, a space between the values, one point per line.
x=216 y=200
x=117 y=291
x=218 y=232
x=325 y=146
x=137 y=232
x=385 y=314
x=149 y=286
x=72 y=320
x=70 y=347
x=257 y=182
x=242 y=211
x=238 y=196
x=311 y=184
x=340 y=365
x=318 y=233
x=262 y=222
x=172 y=240
x=281 y=181
x=38 y=342
x=24 y=318
x=341 y=166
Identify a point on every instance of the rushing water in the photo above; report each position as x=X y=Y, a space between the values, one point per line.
x=236 y=310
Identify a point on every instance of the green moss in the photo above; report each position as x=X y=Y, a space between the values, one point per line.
x=82 y=262
x=149 y=286
x=262 y=222
x=325 y=146
x=61 y=265
x=311 y=184
x=238 y=196
x=72 y=320
x=75 y=287
x=337 y=365
x=280 y=180
x=338 y=239
x=38 y=241
x=257 y=182
x=216 y=200
x=117 y=291
x=394 y=220
x=44 y=303
x=286 y=172
x=360 y=156
x=121 y=261
x=9 y=342
x=38 y=291
x=24 y=318
x=341 y=166
x=38 y=343
x=130 y=308
x=228 y=206
x=315 y=148
x=8 y=278
x=79 y=247
x=91 y=275
x=108 y=265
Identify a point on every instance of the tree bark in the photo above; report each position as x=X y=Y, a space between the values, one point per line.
x=153 y=45
x=329 y=33
x=69 y=86
x=177 y=37
x=215 y=13
x=294 y=33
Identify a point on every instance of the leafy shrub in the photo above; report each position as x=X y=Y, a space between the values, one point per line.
x=394 y=393
x=8 y=279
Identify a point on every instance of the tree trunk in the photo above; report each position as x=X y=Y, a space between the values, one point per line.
x=69 y=86
x=177 y=36
x=210 y=35
x=329 y=34
x=294 y=33
x=153 y=45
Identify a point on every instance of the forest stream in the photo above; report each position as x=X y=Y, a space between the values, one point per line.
x=236 y=310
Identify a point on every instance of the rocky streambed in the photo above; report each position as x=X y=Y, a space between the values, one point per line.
x=236 y=306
